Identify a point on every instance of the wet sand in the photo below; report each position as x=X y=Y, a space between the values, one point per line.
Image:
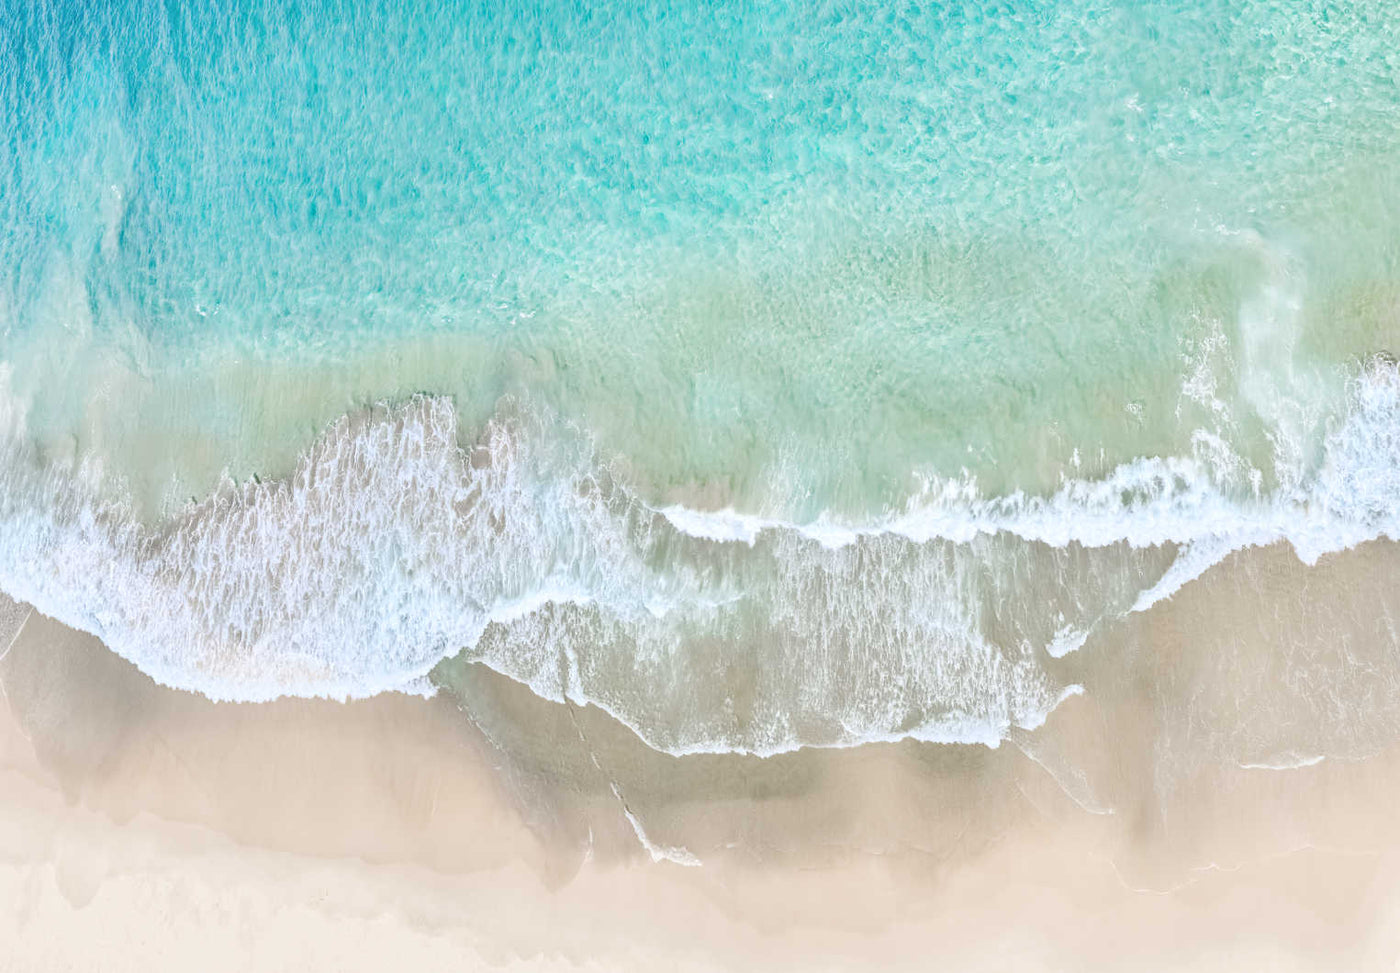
x=146 y=828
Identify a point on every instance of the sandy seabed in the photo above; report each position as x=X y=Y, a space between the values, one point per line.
x=1144 y=827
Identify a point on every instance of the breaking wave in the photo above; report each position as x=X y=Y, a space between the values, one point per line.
x=399 y=541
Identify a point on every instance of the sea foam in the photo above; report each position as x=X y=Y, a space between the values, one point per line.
x=392 y=546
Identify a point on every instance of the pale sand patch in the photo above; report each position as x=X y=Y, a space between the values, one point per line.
x=80 y=892
x=142 y=828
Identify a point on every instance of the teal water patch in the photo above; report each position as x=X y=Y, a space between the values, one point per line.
x=780 y=253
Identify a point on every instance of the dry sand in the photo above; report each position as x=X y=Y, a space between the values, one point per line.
x=148 y=829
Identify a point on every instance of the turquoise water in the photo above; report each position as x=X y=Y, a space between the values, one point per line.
x=768 y=373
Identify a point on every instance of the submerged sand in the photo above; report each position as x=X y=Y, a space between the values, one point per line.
x=1149 y=825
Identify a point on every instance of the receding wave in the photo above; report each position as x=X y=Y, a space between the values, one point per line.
x=400 y=540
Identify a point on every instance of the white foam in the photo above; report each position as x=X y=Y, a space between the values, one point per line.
x=1067 y=639
x=1287 y=762
x=657 y=853
x=1193 y=560
x=717 y=525
x=390 y=547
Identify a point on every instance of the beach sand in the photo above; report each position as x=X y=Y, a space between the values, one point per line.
x=1140 y=828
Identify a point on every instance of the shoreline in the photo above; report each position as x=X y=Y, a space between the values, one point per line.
x=144 y=821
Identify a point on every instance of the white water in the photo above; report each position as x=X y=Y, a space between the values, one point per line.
x=392 y=547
